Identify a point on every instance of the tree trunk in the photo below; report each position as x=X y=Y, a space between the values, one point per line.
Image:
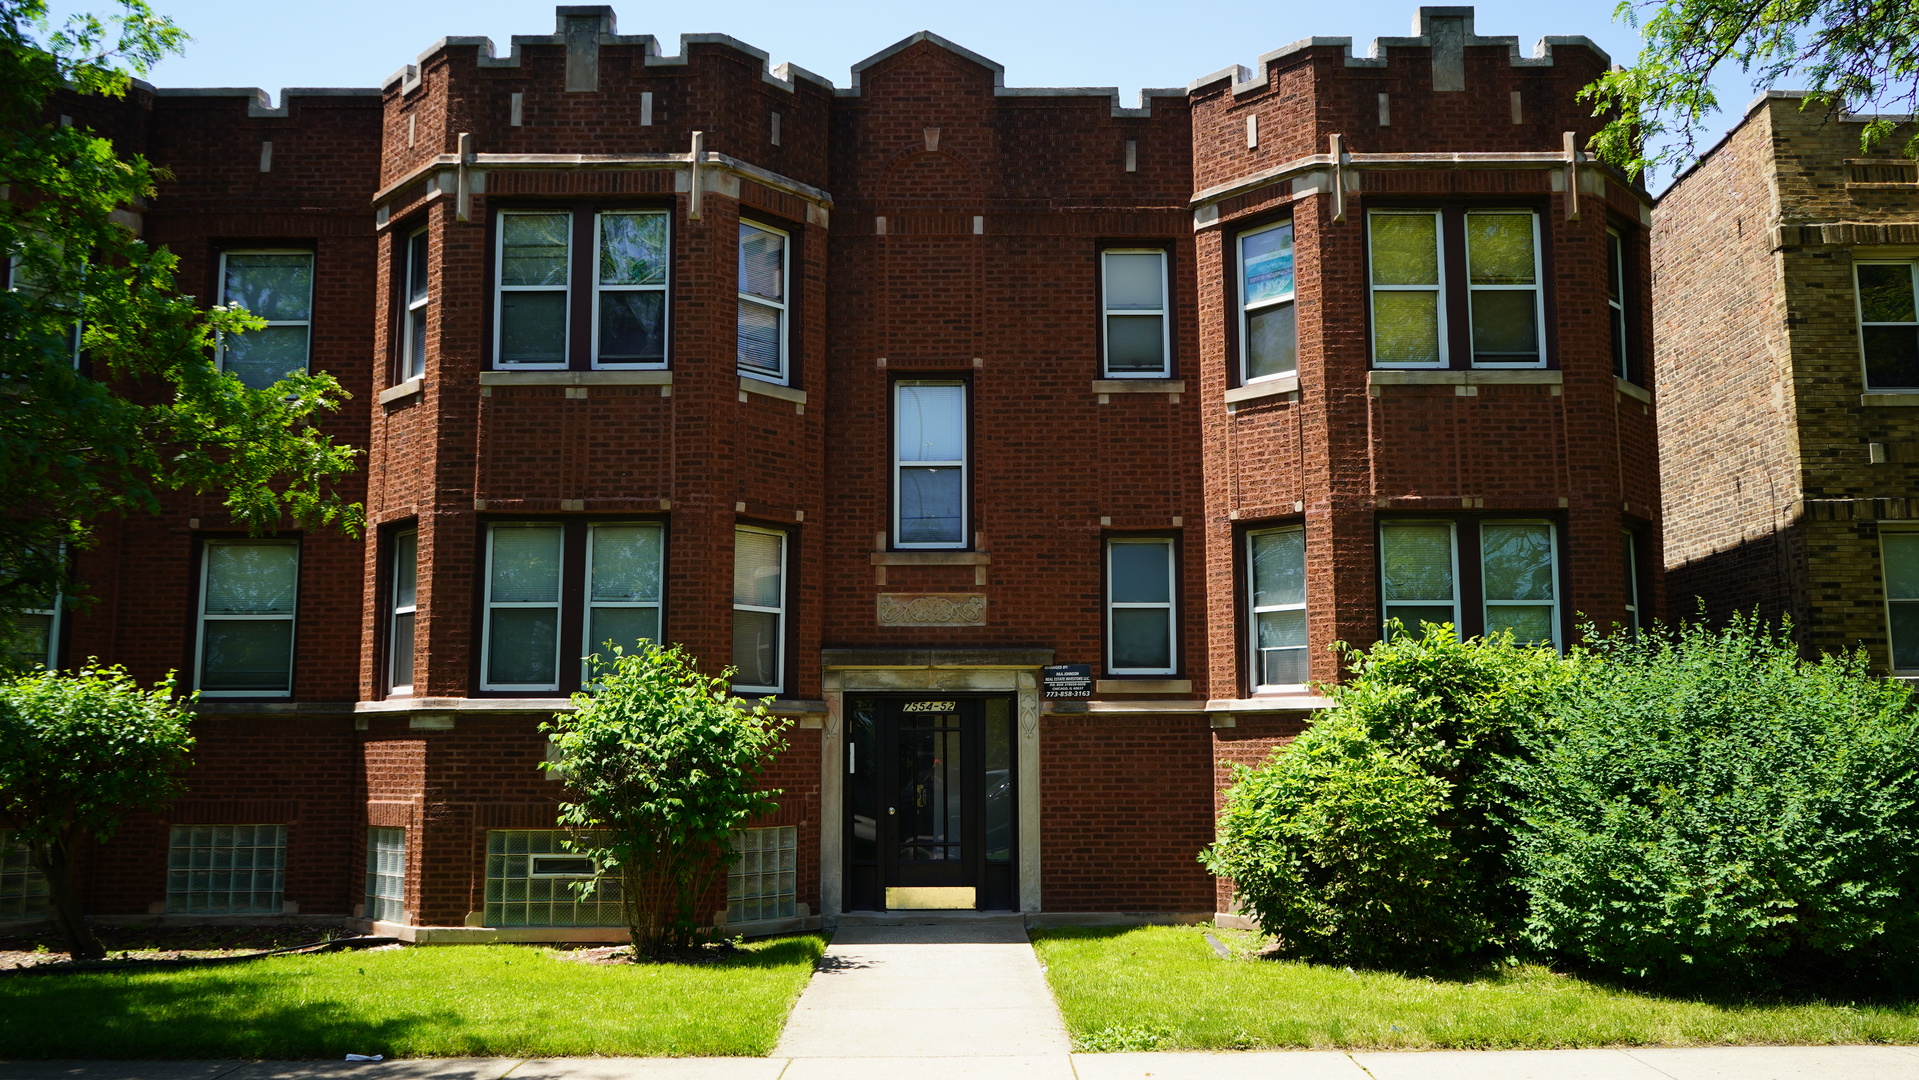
x=55 y=862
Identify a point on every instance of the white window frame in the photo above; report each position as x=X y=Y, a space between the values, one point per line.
x=664 y=288
x=1486 y=603
x=395 y=609
x=779 y=645
x=1538 y=287
x=1439 y=290
x=51 y=659
x=412 y=366
x=313 y=272
x=587 y=603
x=202 y=618
x=1170 y=605
x=1108 y=312
x=1385 y=605
x=1885 y=593
x=1633 y=623
x=500 y=289
x=965 y=467
x=558 y=605
x=1247 y=310
x=1859 y=311
x=1255 y=609
x=14 y=284
x=1616 y=302
x=783 y=306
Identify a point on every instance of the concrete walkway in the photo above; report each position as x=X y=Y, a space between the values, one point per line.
x=967 y=1001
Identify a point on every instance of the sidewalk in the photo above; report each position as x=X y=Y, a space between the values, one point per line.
x=967 y=1001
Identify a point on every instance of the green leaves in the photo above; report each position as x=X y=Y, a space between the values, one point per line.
x=1862 y=56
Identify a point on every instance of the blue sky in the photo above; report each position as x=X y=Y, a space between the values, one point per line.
x=1121 y=43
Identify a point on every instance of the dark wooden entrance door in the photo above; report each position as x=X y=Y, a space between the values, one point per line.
x=930 y=794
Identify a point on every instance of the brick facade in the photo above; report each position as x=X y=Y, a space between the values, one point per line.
x=942 y=226
x=1775 y=501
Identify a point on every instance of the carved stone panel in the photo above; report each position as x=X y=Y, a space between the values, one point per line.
x=932 y=609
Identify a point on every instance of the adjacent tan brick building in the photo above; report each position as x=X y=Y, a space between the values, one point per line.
x=1783 y=299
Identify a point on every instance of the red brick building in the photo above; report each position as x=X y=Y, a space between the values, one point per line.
x=893 y=396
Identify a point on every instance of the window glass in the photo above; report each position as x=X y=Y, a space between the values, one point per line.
x=533 y=280
x=1900 y=551
x=1416 y=561
x=386 y=875
x=1632 y=582
x=1140 y=606
x=518 y=894
x=1404 y=255
x=226 y=869
x=930 y=460
x=23 y=891
x=1270 y=337
x=416 y=301
x=1889 y=329
x=1135 y=290
x=762 y=878
x=278 y=287
x=246 y=627
x=533 y=249
x=762 y=314
x=1278 y=582
x=406 y=547
x=1616 y=302
x=1502 y=275
x=759 y=599
x=523 y=612
x=632 y=288
x=1516 y=561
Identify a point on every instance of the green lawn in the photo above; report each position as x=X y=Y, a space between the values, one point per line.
x=1164 y=988
x=456 y=1001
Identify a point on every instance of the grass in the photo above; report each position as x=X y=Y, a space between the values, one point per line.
x=465 y=1001
x=1164 y=988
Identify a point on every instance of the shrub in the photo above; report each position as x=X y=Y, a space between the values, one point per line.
x=1705 y=806
x=1375 y=836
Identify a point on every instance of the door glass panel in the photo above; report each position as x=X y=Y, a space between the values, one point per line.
x=999 y=780
x=862 y=767
x=930 y=786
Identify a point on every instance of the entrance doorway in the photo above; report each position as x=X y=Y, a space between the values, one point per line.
x=930 y=795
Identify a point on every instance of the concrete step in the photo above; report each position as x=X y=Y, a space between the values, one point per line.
x=931 y=918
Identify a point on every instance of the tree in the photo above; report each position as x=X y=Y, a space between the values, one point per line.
x=662 y=763
x=148 y=411
x=1863 y=56
x=78 y=752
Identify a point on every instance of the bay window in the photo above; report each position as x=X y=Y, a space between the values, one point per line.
x=276 y=286
x=413 y=341
x=763 y=303
x=624 y=299
x=400 y=643
x=624 y=566
x=1899 y=557
x=567 y=587
x=530 y=314
x=1408 y=293
x=1141 y=628
x=1136 y=328
x=1412 y=269
x=630 y=311
x=1276 y=578
x=1419 y=573
x=248 y=592
x=759 y=608
x=929 y=464
x=1518 y=574
x=1268 y=331
x=522 y=635
x=1502 y=288
x=1616 y=303
x=1515 y=587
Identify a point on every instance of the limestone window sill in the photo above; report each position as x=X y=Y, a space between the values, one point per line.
x=1890 y=397
x=1632 y=390
x=1265 y=388
x=932 y=558
x=1104 y=388
x=646 y=377
x=1143 y=686
x=750 y=385
x=1467 y=377
x=402 y=391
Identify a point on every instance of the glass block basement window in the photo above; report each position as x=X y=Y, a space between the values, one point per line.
x=760 y=883
x=226 y=870
x=386 y=875
x=23 y=892
x=529 y=882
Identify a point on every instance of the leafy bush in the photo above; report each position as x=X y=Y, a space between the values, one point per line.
x=1375 y=837
x=1705 y=806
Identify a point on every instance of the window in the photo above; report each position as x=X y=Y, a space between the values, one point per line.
x=406 y=563
x=530 y=878
x=1502 y=283
x=1616 y=302
x=762 y=325
x=929 y=464
x=1888 y=325
x=1632 y=581
x=1409 y=309
x=413 y=362
x=1268 y=336
x=1517 y=571
x=278 y=287
x=1276 y=565
x=759 y=608
x=1419 y=573
x=1899 y=552
x=1139 y=606
x=248 y=590
x=35 y=641
x=531 y=611
x=386 y=875
x=623 y=602
x=761 y=879
x=226 y=870
x=22 y=280
x=23 y=892
x=626 y=305
x=1517 y=585
x=1133 y=291
x=531 y=316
